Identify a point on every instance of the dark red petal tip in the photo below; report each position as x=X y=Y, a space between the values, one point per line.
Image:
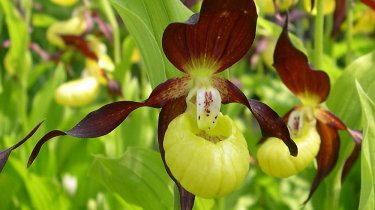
x=357 y=137
x=4 y=154
x=310 y=85
x=167 y=114
x=215 y=39
x=270 y=123
x=327 y=156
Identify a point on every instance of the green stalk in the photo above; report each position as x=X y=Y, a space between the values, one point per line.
x=333 y=189
x=349 y=33
x=221 y=203
x=105 y=4
x=1 y=81
x=319 y=35
x=176 y=195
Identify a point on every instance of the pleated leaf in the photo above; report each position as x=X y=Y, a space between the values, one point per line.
x=367 y=198
x=146 y=21
x=138 y=178
x=343 y=99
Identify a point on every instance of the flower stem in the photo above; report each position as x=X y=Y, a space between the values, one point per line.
x=221 y=204
x=349 y=33
x=333 y=189
x=176 y=195
x=319 y=35
x=115 y=29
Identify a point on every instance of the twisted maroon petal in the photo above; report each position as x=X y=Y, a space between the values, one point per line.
x=270 y=123
x=108 y=117
x=333 y=121
x=4 y=154
x=327 y=156
x=215 y=39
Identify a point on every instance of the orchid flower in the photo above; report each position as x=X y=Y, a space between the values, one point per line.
x=99 y=65
x=191 y=127
x=312 y=127
x=76 y=25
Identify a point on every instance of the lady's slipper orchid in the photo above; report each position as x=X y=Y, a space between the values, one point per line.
x=207 y=44
x=76 y=25
x=313 y=128
x=83 y=91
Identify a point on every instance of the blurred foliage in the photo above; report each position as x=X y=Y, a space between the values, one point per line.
x=123 y=169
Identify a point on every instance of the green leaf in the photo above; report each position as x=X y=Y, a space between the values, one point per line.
x=1 y=78
x=18 y=59
x=367 y=198
x=42 y=20
x=146 y=21
x=138 y=177
x=270 y=29
x=203 y=204
x=45 y=96
x=343 y=99
x=42 y=192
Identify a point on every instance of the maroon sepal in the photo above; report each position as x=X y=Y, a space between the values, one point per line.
x=216 y=38
x=338 y=16
x=80 y=44
x=327 y=156
x=269 y=121
x=4 y=154
x=295 y=72
x=370 y=3
x=108 y=117
x=329 y=118
x=167 y=114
